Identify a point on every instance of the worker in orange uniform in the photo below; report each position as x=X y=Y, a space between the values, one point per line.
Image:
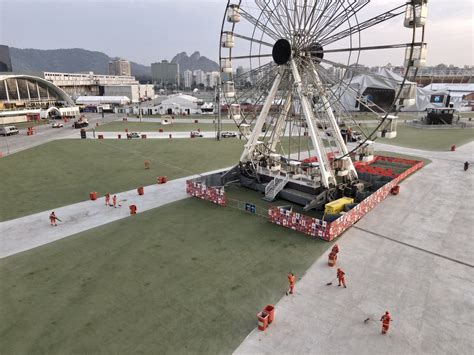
x=385 y=322
x=53 y=218
x=114 y=201
x=291 y=280
x=107 y=199
x=335 y=249
x=340 y=277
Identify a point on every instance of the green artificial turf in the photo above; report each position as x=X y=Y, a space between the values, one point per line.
x=118 y=126
x=186 y=278
x=427 y=139
x=65 y=171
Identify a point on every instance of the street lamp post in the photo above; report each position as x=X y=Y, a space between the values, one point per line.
x=6 y=141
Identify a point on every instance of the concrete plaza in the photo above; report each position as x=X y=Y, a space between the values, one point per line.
x=412 y=255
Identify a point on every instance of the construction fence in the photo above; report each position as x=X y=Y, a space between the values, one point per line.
x=313 y=227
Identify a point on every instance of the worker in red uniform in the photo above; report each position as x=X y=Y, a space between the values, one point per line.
x=291 y=280
x=107 y=199
x=53 y=218
x=385 y=322
x=340 y=277
x=335 y=249
x=114 y=201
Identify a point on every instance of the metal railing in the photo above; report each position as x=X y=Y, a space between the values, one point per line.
x=248 y=207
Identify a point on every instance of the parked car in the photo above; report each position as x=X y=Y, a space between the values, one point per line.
x=132 y=135
x=58 y=125
x=228 y=135
x=196 y=134
x=8 y=130
x=81 y=124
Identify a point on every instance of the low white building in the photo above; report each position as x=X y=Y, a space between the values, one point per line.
x=136 y=93
x=80 y=84
x=172 y=105
x=179 y=105
x=103 y=100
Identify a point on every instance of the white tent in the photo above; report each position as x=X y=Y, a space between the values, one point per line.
x=357 y=85
x=385 y=79
x=457 y=92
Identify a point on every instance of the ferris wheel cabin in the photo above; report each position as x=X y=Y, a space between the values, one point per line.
x=233 y=13
x=416 y=15
x=389 y=128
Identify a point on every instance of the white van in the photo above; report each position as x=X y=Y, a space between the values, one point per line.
x=8 y=130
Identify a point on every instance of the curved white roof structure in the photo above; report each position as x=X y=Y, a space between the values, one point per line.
x=28 y=88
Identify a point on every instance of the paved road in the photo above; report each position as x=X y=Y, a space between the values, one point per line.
x=45 y=133
x=149 y=135
x=412 y=255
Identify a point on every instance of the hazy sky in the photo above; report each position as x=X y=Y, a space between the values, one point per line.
x=146 y=31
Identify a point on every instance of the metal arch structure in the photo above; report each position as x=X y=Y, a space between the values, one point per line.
x=61 y=94
x=287 y=101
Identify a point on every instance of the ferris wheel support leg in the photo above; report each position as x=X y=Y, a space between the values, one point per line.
x=318 y=145
x=332 y=120
x=280 y=126
x=257 y=131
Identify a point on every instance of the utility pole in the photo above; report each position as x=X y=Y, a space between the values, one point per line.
x=6 y=141
x=219 y=114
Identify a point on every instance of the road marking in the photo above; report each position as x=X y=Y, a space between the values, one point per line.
x=414 y=247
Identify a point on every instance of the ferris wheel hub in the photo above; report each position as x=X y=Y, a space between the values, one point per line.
x=317 y=51
x=281 y=51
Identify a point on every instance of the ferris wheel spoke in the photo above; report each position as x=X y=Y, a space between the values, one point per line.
x=253 y=40
x=363 y=25
x=357 y=70
x=313 y=21
x=252 y=56
x=344 y=114
x=343 y=87
x=270 y=16
x=255 y=71
x=357 y=96
x=262 y=82
x=284 y=13
x=344 y=13
x=371 y=48
x=326 y=15
x=263 y=27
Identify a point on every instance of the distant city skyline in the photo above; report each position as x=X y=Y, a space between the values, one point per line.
x=146 y=31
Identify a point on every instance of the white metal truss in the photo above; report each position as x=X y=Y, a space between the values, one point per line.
x=257 y=130
x=327 y=176
x=294 y=96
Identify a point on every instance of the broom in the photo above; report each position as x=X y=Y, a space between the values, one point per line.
x=330 y=283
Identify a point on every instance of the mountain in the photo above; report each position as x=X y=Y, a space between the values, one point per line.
x=194 y=62
x=75 y=60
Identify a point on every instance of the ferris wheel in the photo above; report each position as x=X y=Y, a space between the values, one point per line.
x=287 y=81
